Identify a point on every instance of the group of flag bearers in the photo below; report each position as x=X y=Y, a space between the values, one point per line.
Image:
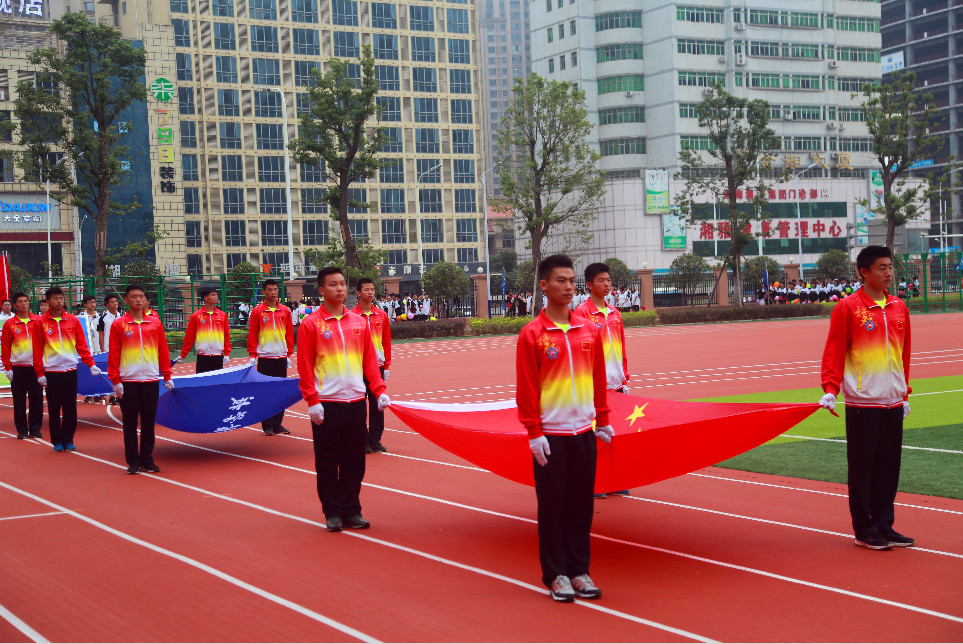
x=567 y=362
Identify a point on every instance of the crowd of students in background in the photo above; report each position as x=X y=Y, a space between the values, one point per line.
x=624 y=299
x=802 y=292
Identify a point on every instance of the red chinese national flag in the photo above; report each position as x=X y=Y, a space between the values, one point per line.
x=4 y=276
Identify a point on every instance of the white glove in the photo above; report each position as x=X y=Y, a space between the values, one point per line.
x=42 y=380
x=316 y=412
x=227 y=360
x=10 y=376
x=169 y=385
x=95 y=371
x=906 y=409
x=178 y=359
x=386 y=376
x=252 y=362
x=119 y=390
x=383 y=402
x=828 y=401
x=289 y=363
x=625 y=389
x=540 y=451
x=605 y=433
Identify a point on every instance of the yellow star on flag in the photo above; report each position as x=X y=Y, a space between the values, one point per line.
x=637 y=413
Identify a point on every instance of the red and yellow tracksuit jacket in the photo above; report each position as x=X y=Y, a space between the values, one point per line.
x=335 y=354
x=138 y=350
x=561 y=377
x=16 y=345
x=379 y=326
x=867 y=354
x=211 y=333
x=271 y=332
x=612 y=332
x=59 y=344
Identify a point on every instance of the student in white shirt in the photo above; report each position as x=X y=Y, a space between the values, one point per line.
x=6 y=311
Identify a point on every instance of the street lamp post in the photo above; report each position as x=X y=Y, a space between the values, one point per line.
x=287 y=176
x=49 y=245
x=421 y=254
x=488 y=277
x=795 y=179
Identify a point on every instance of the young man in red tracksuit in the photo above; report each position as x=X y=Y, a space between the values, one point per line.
x=58 y=345
x=379 y=326
x=139 y=356
x=335 y=357
x=867 y=357
x=608 y=320
x=270 y=343
x=17 y=356
x=560 y=391
x=208 y=328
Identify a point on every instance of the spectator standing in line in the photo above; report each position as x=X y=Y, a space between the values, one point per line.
x=6 y=311
x=88 y=318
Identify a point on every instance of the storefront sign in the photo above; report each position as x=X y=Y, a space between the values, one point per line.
x=673 y=232
x=28 y=213
x=24 y=8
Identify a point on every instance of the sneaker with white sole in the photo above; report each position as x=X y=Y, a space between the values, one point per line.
x=584 y=587
x=874 y=542
x=561 y=590
x=899 y=540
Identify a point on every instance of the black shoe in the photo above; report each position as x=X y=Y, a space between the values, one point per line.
x=899 y=540
x=112 y=401
x=378 y=447
x=150 y=469
x=133 y=469
x=357 y=522
x=368 y=449
x=36 y=435
x=874 y=542
x=282 y=430
x=619 y=493
x=269 y=432
x=333 y=524
x=20 y=437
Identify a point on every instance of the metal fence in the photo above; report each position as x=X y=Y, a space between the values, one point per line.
x=458 y=306
x=503 y=304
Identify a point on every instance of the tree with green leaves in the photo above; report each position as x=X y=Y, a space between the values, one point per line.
x=548 y=173
x=620 y=273
x=336 y=135
x=738 y=136
x=755 y=269
x=444 y=282
x=75 y=107
x=834 y=264
x=686 y=272
x=899 y=118
x=370 y=260
x=242 y=283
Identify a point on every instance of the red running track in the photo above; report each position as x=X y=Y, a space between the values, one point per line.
x=228 y=542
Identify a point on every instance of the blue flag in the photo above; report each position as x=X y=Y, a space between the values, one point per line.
x=765 y=277
x=503 y=283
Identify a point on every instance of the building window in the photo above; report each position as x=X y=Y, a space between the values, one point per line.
x=699 y=14
x=311 y=173
x=270 y=169
x=389 y=108
x=393 y=141
x=422 y=49
x=623 y=51
x=701 y=79
x=223 y=8
x=464 y=170
x=551 y=65
x=273 y=201
x=618 y=20
x=393 y=171
x=426 y=110
x=225 y=69
x=574 y=57
x=571 y=27
x=314 y=232
x=232 y=167
x=274 y=233
x=431 y=256
x=635 y=145
x=421 y=18
x=306 y=42
x=457 y=21
x=427 y=141
x=385 y=46
x=424 y=79
x=233 y=259
x=561 y=62
x=270 y=136
x=429 y=170
x=312 y=201
x=188 y=134
x=228 y=103
x=615 y=115
x=359 y=196
x=262 y=9
x=267 y=103
x=224 y=36
x=467 y=255
x=182 y=32
x=551 y=34
x=459 y=51
x=397 y=257
x=344 y=12
x=465 y=200
x=185 y=71
x=231 y=136
x=302 y=74
x=462 y=142
x=384 y=15
x=359 y=230
x=264 y=38
x=233 y=201
x=387 y=78
x=192 y=201
x=466 y=230
x=429 y=200
x=189 y=167
x=392 y=200
x=461 y=110
x=304 y=10
x=432 y=231
x=459 y=81
x=185 y=100
x=195 y=264
x=346 y=44
x=179 y=6
x=235 y=232
x=193 y=234
x=265 y=71
x=393 y=231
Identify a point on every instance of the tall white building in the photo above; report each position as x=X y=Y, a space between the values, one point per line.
x=644 y=69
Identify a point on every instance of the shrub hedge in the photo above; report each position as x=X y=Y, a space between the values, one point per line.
x=689 y=315
x=498 y=326
x=640 y=318
x=405 y=330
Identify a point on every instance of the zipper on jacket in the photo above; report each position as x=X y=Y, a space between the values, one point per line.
x=344 y=345
x=889 y=359
x=571 y=371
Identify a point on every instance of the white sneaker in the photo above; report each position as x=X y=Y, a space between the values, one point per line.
x=584 y=587
x=562 y=589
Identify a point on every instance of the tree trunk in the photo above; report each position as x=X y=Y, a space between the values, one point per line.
x=100 y=243
x=536 y=288
x=737 y=276
x=350 y=248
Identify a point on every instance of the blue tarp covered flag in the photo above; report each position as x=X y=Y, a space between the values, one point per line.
x=90 y=385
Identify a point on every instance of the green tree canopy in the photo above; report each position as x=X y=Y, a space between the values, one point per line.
x=620 y=273
x=444 y=282
x=834 y=264
x=242 y=283
x=686 y=272
x=370 y=260
x=755 y=267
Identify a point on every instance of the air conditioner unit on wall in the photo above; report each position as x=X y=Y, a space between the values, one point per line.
x=834 y=155
x=722 y=59
x=3 y=94
x=740 y=26
x=706 y=92
x=834 y=63
x=787 y=116
x=831 y=125
x=740 y=59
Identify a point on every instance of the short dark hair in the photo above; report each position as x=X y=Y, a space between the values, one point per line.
x=592 y=270
x=11 y=303
x=109 y=298
x=868 y=256
x=548 y=265
x=328 y=270
x=16 y=296
x=135 y=287
x=53 y=290
x=268 y=283
x=363 y=281
x=204 y=291
x=87 y=298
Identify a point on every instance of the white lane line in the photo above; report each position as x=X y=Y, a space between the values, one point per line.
x=933 y=393
x=234 y=581
x=843 y=440
x=21 y=625
x=31 y=516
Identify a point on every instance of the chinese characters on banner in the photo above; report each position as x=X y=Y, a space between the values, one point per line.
x=776 y=229
x=165 y=151
x=26 y=7
x=841 y=160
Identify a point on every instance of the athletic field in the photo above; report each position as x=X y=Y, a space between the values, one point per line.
x=228 y=542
